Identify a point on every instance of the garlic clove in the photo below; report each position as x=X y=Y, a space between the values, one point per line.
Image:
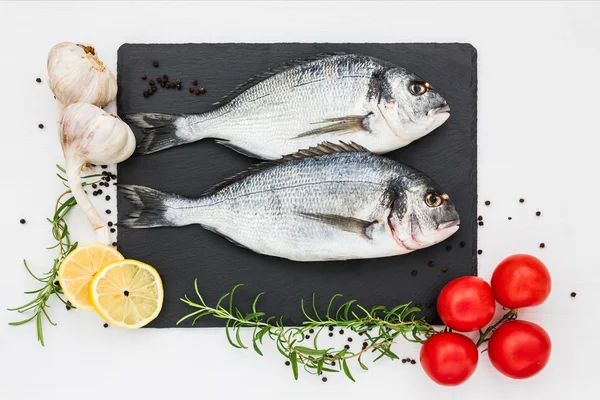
x=88 y=135
x=76 y=74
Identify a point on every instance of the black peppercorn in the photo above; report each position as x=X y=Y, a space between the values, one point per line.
x=165 y=78
x=22 y=220
x=341 y=331
x=68 y=308
x=448 y=248
x=521 y=200
x=538 y=213
x=143 y=77
x=145 y=94
x=151 y=82
x=414 y=272
x=542 y=245
x=307 y=336
x=479 y=251
x=108 y=211
x=463 y=244
x=573 y=294
x=444 y=269
x=56 y=283
x=159 y=79
x=197 y=92
x=365 y=344
x=155 y=64
x=107 y=179
x=311 y=331
x=112 y=230
x=404 y=361
x=349 y=339
x=324 y=379
x=38 y=80
x=287 y=363
x=333 y=363
x=100 y=191
x=487 y=203
x=105 y=325
x=114 y=244
x=480 y=223
x=331 y=328
x=347 y=347
x=201 y=89
x=413 y=362
x=110 y=223
x=509 y=218
x=480 y=218
x=95 y=193
x=330 y=334
x=153 y=89
x=191 y=90
x=94 y=185
x=107 y=197
x=178 y=82
x=41 y=126
x=194 y=82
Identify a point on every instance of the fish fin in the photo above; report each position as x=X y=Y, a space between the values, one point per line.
x=160 y=131
x=238 y=149
x=266 y=75
x=342 y=125
x=151 y=207
x=320 y=150
x=348 y=224
x=326 y=148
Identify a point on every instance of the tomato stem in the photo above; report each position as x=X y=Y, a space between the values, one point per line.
x=483 y=335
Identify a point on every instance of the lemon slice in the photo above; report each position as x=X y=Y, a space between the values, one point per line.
x=127 y=294
x=78 y=269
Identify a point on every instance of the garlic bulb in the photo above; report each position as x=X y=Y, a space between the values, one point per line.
x=76 y=74
x=88 y=135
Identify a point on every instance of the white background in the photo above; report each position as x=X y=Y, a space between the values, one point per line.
x=538 y=139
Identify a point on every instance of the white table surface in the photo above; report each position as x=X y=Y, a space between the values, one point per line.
x=538 y=139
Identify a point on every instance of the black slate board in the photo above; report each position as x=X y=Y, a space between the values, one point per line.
x=448 y=155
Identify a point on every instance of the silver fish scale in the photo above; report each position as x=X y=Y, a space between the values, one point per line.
x=269 y=212
x=260 y=119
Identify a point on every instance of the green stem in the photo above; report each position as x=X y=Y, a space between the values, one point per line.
x=483 y=335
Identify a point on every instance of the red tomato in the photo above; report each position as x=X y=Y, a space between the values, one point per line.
x=449 y=358
x=519 y=349
x=520 y=281
x=466 y=304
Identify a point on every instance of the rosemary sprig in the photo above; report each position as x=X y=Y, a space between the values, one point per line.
x=379 y=326
x=50 y=286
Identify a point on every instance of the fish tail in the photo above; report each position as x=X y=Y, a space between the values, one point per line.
x=153 y=208
x=161 y=131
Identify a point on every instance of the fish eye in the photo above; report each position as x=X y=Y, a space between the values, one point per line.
x=418 y=88
x=433 y=200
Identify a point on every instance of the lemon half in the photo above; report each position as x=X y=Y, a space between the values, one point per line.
x=79 y=267
x=127 y=294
